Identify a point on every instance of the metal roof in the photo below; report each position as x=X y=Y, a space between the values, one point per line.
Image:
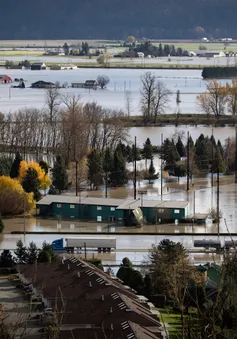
x=68 y=199
x=120 y=204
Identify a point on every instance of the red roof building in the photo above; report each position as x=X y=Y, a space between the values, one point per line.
x=5 y=79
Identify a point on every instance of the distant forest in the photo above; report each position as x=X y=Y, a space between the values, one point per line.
x=116 y=19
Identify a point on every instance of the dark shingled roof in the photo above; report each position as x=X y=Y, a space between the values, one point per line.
x=94 y=304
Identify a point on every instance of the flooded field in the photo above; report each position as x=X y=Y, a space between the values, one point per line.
x=122 y=82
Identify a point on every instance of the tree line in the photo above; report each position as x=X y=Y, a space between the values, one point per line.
x=205 y=155
x=159 y=51
x=66 y=127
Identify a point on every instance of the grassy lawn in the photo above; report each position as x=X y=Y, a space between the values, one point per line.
x=16 y=53
x=172 y=322
x=209 y=46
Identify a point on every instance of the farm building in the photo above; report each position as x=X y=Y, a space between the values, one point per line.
x=117 y=211
x=38 y=66
x=43 y=84
x=90 y=84
x=67 y=66
x=77 y=84
x=5 y=79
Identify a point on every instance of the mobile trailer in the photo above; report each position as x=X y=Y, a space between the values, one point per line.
x=101 y=244
x=208 y=244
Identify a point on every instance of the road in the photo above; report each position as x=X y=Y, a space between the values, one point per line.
x=135 y=247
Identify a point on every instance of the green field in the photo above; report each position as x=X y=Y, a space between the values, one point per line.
x=20 y=53
x=209 y=46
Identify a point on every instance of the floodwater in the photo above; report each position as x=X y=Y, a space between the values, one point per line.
x=123 y=83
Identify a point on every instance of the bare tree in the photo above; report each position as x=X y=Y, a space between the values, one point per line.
x=103 y=81
x=162 y=98
x=154 y=97
x=52 y=100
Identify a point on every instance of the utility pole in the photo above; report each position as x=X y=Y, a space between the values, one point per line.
x=218 y=200
x=76 y=178
x=188 y=170
x=236 y=154
x=106 y=172
x=135 y=170
x=212 y=156
x=161 y=170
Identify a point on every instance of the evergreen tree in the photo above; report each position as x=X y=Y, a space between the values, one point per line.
x=118 y=175
x=180 y=169
x=218 y=163
x=14 y=172
x=31 y=253
x=129 y=153
x=160 y=50
x=44 y=256
x=44 y=166
x=201 y=153
x=31 y=183
x=147 y=151
x=59 y=175
x=219 y=145
x=66 y=49
x=180 y=148
x=6 y=259
x=95 y=169
x=169 y=154
x=20 y=253
x=152 y=172
x=1 y=224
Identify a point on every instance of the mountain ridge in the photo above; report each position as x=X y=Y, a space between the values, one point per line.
x=104 y=19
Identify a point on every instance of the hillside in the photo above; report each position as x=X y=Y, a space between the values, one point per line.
x=116 y=19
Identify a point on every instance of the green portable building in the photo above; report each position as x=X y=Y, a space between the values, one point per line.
x=111 y=210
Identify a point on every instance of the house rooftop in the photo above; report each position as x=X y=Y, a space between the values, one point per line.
x=92 y=301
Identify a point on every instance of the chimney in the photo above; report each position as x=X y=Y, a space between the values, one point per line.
x=111 y=310
x=68 y=267
x=102 y=297
x=112 y=327
x=90 y=284
x=78 y=274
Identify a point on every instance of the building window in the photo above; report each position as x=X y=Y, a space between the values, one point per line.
x=99 y=218
x=72 y=206
x=99 y=208
x=176 y=211
x=59 y=205
x=112 y=208
x=161 y=210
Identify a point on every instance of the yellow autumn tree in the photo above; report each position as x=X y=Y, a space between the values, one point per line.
x=13 y=199
x=214 y=100
x=43 y=177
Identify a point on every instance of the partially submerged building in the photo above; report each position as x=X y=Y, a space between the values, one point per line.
x=5 y=79
x=121 y=211
x=38 y=66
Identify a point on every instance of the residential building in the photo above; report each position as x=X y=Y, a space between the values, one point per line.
x=90 y=303
x=42 y=84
